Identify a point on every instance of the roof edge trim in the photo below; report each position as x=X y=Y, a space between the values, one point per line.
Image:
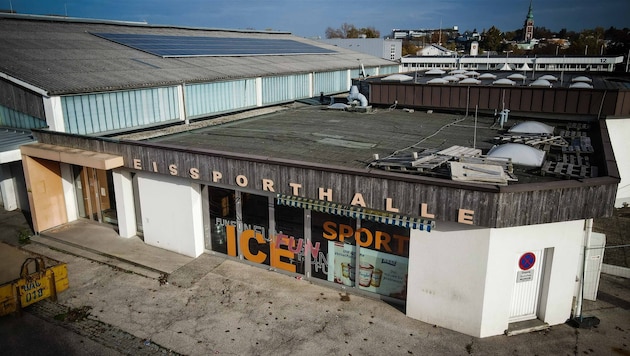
x=24 y=84
x=92 y=159
x=61 y=18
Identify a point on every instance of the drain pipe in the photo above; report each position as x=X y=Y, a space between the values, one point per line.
x=588 y=230
x=355 y=95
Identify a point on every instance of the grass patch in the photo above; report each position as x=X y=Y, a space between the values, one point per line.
x=74 y=314
x=24 y=236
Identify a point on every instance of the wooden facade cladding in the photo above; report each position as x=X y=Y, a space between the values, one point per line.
x=493 y=206
x=22 y=100
x=565 y=101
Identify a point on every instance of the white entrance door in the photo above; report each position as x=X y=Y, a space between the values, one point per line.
x=526 y=291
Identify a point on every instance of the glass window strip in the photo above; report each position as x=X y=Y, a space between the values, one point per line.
x=355 y=212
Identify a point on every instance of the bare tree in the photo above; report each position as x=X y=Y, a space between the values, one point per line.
x=334 y=33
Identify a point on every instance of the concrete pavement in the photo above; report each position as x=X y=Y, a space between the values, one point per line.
x=214 y=305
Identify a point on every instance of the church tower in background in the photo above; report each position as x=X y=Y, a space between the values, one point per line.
x=528 y=33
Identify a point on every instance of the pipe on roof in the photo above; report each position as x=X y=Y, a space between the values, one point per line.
x=355 y=95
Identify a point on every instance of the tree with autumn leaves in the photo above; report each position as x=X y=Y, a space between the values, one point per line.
x=595 y=41
x=350 y=31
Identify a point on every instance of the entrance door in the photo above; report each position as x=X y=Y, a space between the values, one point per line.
x=94 y=192
x=526 y=291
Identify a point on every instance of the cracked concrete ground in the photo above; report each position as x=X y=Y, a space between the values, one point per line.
x=215 y=305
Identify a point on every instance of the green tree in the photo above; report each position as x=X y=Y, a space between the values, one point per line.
x=588 y=42
x=491 y=39
x=513 y=35
x=563 y=33
x=542 y=32
x=618 y=41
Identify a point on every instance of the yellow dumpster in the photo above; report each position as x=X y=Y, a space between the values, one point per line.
x=36 y=282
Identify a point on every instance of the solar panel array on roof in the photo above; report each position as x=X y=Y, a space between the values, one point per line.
x=190 y=46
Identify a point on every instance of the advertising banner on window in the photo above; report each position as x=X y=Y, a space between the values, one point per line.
x=377 y=272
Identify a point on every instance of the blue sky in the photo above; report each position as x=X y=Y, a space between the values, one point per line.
x=309 y=18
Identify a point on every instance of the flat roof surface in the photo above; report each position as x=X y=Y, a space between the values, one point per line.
x=313 y=134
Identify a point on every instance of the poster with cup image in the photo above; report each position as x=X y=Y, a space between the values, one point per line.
x=378 y=272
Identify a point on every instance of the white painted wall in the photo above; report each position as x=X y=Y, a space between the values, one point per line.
x=54 y=113
x=619 y=131
x=8 y=190
x=506 y=246
x=125 y=206
x=172 y=216
x=69 y=193
x=447 y=269
x=462 y=277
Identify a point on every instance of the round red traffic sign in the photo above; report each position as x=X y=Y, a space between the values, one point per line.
x=527 y=261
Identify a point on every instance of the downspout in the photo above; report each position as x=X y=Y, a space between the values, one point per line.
x=588 y=230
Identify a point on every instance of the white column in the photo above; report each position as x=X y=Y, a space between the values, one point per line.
x=54 y=113
x=311 y=87
x=259 y=100
x=181 y=98
x=349 y=78
x=125 y=208
x=8 y=189
x=69 y=193
x=197 y=219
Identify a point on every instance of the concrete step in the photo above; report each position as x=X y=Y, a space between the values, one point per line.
x=527 y=326
x=97 y=256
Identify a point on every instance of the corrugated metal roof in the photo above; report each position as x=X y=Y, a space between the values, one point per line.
x=11 y=140
x=62 y=57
